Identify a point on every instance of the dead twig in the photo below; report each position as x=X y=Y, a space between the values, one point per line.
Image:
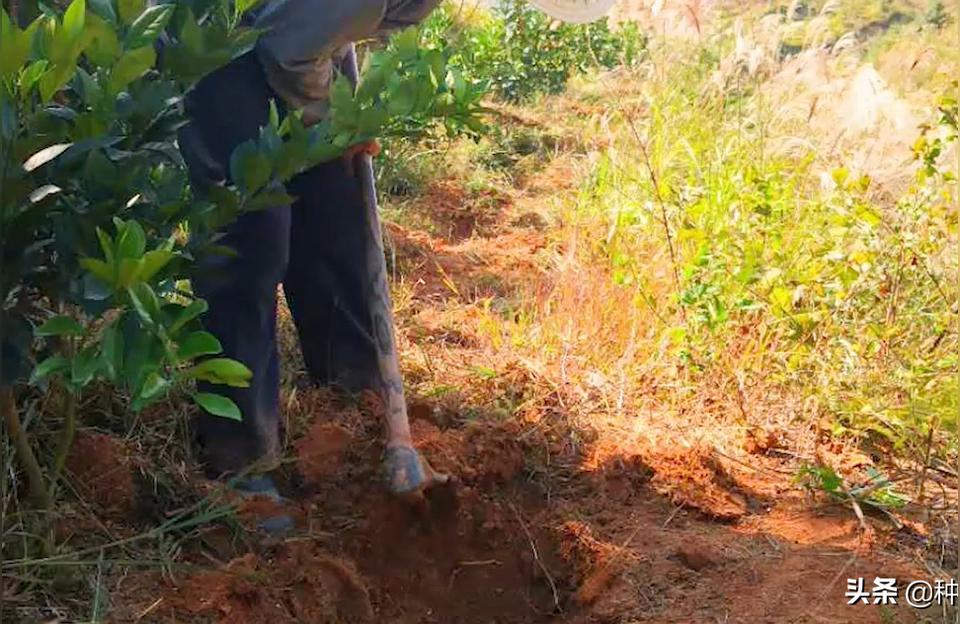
x=468 y=564
x=590 y=589
x=536 y=556
x=149 y=609
x=661 y=202
x=857 y=510
x=486 y=562
x=673 y=514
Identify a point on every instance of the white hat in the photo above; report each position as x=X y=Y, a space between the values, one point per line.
x=576 y=11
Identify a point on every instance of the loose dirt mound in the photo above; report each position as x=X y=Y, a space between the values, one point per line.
x=614 y=542
x=693 y=478
x=321 y=452
x=103 y=470
x=477 y=556
x=293 y=583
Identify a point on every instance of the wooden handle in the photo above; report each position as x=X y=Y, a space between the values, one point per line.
x=391 y=390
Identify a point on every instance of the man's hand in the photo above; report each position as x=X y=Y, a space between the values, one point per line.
x=408 y=474
x=371 y=147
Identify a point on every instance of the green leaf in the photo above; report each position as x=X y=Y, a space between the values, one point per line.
x=264 y=200
x=342 y=140
x=48 y=367
x=402 y=99
x=102 y=46
x=218 y=405
x=85 y=366
x=62 y=43
x=222 y=371
x=191 y=311
x=242 y=6
x=100 y=269
x=373 y=76
x=476 y=124
x=138 y=355
x=31 y=74
x=198 y=343
x=461 y=89
x=840 y=175
x=104 y=9
x=782 y=299
x=131 y=240
x=130 y=9
x=147 y=28
x=290 y=159
x=324 y=152
x=153 y=263
x=129 y=268
x=341 y=98
x=191 y=35
x=407 y=44
x=73 y=20
x=274 y=118
x=371 y=121
x=111 y=349
x=145 y=302
x=92 y=93
x=131 y=66
x=438 y=66
x=153 y=386
x=56 y=78
x=106 y=245
x=249 y=169
x=829 y=479
x=61 y=325
x=15 y=45
x=485 y=372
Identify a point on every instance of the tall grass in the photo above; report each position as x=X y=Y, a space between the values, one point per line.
x=774 y=225
x=785 y=265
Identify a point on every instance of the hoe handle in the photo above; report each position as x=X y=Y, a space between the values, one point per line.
x=395 y=405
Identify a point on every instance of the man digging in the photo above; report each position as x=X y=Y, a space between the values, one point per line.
x=324 y=248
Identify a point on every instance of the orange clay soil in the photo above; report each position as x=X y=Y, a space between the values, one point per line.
x=550 y=520
x=654 y=536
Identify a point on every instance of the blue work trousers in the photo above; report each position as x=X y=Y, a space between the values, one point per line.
x=315 y=248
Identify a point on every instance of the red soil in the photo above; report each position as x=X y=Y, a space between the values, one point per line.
x=650 y=537
x=103 y=470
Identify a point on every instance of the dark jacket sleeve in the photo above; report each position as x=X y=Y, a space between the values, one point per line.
x=298 y=31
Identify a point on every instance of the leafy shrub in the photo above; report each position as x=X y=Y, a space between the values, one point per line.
x=937 y=14
x=520 y=52
x=839 y=291
x=98 y=226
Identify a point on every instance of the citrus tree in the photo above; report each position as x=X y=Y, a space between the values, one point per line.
x=98 y=225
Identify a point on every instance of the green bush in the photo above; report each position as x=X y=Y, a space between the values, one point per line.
x=520 y=52
x=98 y=226
x=937 y=14
x=840 y=291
